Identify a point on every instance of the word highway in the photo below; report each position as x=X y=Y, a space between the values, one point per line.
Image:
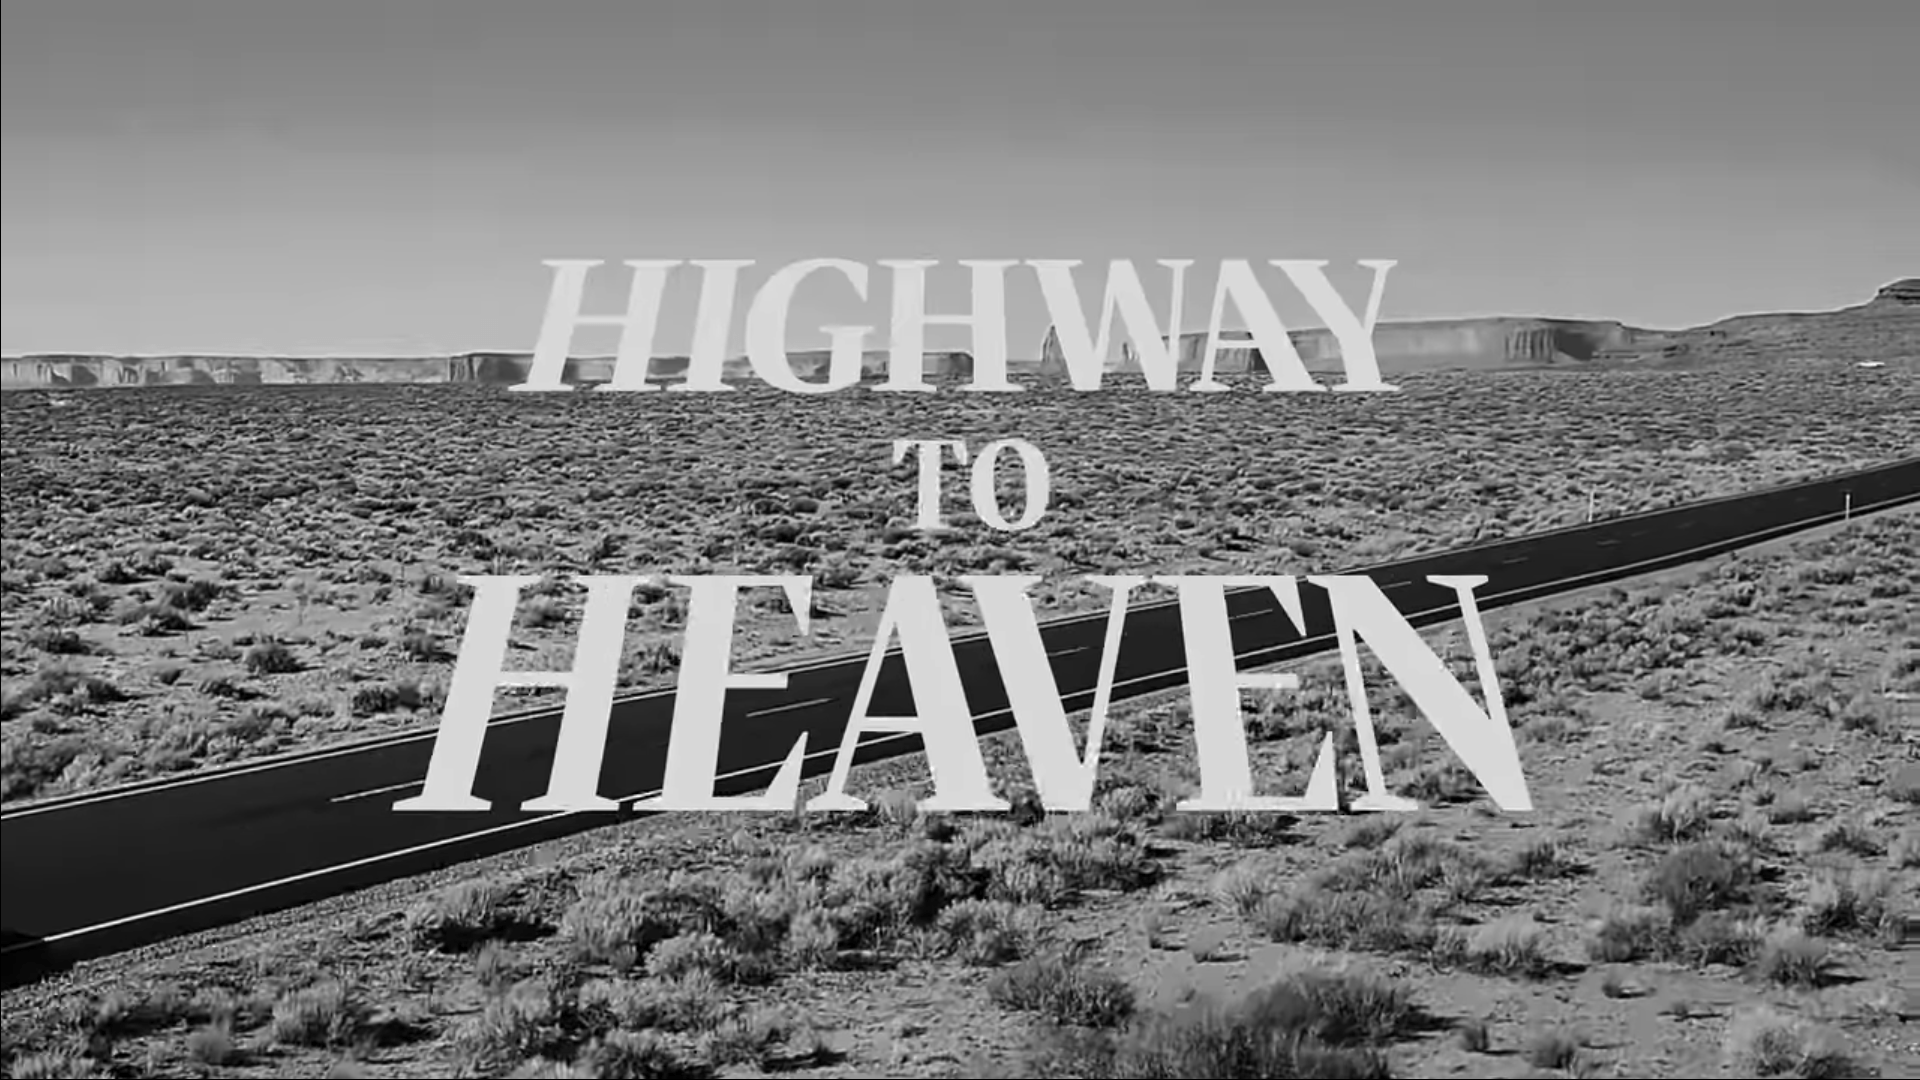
x=1083 y=353
x=1481 y=739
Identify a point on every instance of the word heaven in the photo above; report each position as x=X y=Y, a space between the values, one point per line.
x=1064 y=776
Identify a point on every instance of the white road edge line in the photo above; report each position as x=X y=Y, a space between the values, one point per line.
x=667 y=692
x=1570 y=585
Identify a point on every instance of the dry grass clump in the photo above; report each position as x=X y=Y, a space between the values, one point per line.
x=1311 y=1023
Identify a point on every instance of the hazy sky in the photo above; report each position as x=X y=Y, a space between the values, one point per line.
x=372 y=176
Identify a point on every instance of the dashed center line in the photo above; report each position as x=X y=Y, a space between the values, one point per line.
x=793 y=705
x=371 y=792
x=411 y=784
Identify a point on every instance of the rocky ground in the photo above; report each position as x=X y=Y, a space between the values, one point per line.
x=198 y=577
x=1718 y=881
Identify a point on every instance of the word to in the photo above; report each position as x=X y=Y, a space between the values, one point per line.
x=980 y=490
x=1482 y=740
x=1083 y=354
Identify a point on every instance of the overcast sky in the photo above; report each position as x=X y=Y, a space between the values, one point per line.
x=383 y=176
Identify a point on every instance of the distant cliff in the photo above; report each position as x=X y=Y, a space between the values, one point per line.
x=1405 y=346
x=80 y=371
x=1885 y=328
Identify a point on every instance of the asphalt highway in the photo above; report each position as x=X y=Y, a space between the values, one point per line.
x=91 y=874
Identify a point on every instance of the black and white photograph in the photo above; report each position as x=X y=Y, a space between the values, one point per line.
x=934 y=539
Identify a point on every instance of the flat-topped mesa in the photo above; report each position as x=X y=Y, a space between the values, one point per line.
x=1458 y=343
x=1905 y=292
x=812 y=365
x=1885 y=329
x=809 y=365
x=76 y=371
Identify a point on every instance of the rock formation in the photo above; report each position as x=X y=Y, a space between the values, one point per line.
x=1885 y=329
x=1906 y=291
x=1469 y=343
x=812 y=364
x=80 y=371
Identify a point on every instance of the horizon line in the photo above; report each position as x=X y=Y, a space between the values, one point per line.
x=448 y=354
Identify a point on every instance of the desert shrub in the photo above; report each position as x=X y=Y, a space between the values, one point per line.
x=616 y=921
x=637 y=1055
x=469 y=915
x=1376 y=900
x=1762 y=1042
x=54 y=1065
x=1699 y=910
x=692 y=1002
x=270 y=657
x=1700 y=877
x=1717 y=937
x=1680 y=815
x=686 y=953
x=1511 y=947
x=1631 y=932
x=1839 y=903
x=1555 y=1048
x=1064 y=990
x=1790 y=958
x=212 y=1044
x=530 y=1020
x=1307 y=1024
x=323 y=1015
x=987 y=932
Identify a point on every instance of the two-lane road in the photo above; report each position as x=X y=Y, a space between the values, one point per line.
x=95 y=873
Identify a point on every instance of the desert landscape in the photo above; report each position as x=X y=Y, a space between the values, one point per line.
x=1717 y=882
x=275 y=272
x=1874 y=331
x=287 y=577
